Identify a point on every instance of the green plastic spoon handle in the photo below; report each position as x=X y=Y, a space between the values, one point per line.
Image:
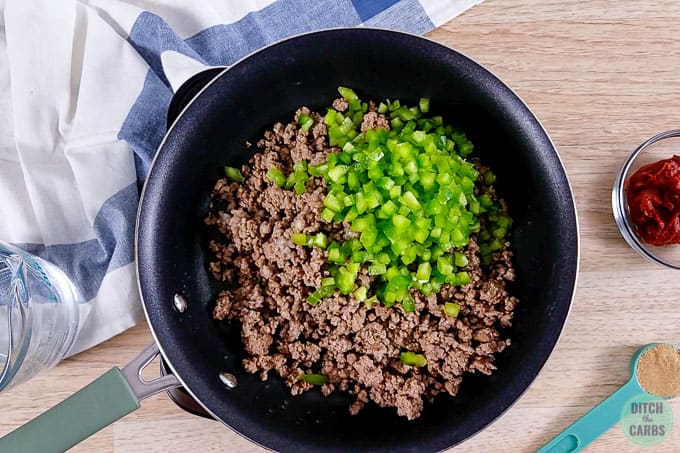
x=96 y=406
x=595 y=423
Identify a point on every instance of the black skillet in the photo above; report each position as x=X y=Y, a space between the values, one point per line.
x=236 y=106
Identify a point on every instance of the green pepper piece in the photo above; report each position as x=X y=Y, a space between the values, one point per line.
x=314 y=379
x=377 y=269
x=351 y=214
x=318 y=240
x=335 y=173
x=300 y=187
x=411 y=358
x=299 y=238
x=347 y=93
x=233 y=174
x=461 y=260
x=364 y=223
x=445 y=264
x=408 y=304
x=345 y=280
x=451 y=309
x=333 y=202
x=424 y=105
x=353 y=182
x=400 y=222
x=336 y=255
x=410 y=200
x=327 y=215
x=423 y=272
x=368 y=238
x=463 y=278
x=314 y=298
x=305 y=121
x=370 y=301
x=360 y=293
x=387 y=210
x=276 y=176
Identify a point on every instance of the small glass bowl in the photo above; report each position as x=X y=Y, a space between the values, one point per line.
x=661 y=146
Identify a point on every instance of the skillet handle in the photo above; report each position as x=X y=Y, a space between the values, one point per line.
x=110 y=397
x=96 y=406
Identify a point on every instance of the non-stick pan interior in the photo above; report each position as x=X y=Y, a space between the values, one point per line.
x=267 y=87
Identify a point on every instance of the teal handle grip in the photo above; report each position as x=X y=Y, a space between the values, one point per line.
x=96 y=406
x=595 y=423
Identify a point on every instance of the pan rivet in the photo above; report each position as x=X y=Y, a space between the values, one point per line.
x=228 y=379
x=180 y=301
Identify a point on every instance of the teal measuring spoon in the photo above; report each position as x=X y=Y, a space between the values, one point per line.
x=602 y=417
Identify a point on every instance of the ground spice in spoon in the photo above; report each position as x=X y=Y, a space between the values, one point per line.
x=658 y=371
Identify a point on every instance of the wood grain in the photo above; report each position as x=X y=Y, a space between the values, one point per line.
x=602 y=76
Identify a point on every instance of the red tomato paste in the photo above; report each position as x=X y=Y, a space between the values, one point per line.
x=654 y=201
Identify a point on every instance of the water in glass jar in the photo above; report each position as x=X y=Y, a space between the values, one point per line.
x=38 y=315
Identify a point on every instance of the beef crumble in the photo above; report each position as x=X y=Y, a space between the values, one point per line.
x=355 y=346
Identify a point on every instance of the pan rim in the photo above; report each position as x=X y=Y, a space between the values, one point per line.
x=562 y=169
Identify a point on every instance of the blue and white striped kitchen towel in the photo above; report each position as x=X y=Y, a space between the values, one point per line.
x=85 y=88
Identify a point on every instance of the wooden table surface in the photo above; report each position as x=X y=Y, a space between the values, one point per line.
x=602 y=76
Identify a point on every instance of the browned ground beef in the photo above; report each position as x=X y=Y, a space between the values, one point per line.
x=356 y=347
